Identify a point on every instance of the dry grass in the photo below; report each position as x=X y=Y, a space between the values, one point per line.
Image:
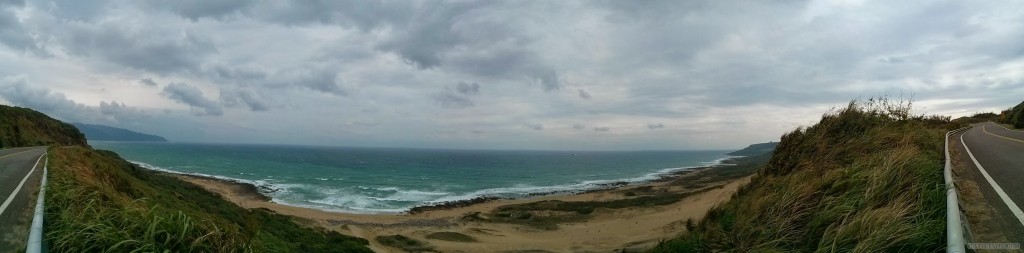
x=866 y=178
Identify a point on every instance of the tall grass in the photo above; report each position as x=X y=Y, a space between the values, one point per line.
x=100 y=203
x=866 y=178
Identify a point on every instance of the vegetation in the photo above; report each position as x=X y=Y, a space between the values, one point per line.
x=548 y=214
x=755 y=149
x=1013 y=116
x=98 y=202
x=977 y=118
x=23 y=127
x=451 y=237
x=405 y=243
x=866 y=178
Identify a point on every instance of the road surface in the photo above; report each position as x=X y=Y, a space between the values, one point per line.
x=16 y=205
x=989 y=160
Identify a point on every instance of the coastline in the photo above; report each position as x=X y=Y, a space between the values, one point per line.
x=605 y=229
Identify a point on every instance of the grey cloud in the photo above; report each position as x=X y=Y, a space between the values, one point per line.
x=195 y=9
x=892 y=59
x=655 y=126
x=534 y=126
x=365 y=15
x=456 y=37
x=80 y=10
x=579 y=126
x=448 y=100
x=193 y=97
x=506 y=62
x=235 y=97
x=4 y=3
x=324 y=81
x=147 y=81
x=17 y=90
x=139 y=49
x=425 y=39
x=122 y=113
x=312 y=78
x=602 y=129
x=14 y=35
x=583 y=94
x=468 y=88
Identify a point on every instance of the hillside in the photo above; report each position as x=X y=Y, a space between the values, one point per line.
x=755 y=149
x=98 y=202
x=108 y=133
x=23 y=127
x=867 y=178
x=1013 y=116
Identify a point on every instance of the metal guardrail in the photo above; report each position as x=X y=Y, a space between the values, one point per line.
x=955 y=242
x=35 y=235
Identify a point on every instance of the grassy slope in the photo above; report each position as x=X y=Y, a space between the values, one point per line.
x=1013 y=116
x=867 y=178
x=99 y=202
x=22 y=127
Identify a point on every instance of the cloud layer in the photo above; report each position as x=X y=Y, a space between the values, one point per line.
x=486 y=74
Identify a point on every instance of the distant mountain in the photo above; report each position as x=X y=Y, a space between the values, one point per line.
x=756 y=149
x=23 y=127
x=108 y=133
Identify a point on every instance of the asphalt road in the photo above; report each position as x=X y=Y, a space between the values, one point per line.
x=16 y=215
x=1000 y=154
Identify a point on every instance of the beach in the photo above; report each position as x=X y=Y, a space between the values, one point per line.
x=524 y=225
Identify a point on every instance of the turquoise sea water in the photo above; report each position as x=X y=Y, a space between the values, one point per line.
x=382 y=180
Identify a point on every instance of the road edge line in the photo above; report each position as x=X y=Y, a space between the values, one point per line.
x=999 y=190
x=14 y=193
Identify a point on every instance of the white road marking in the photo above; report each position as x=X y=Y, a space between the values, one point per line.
x=18 y=189
x=999 y=191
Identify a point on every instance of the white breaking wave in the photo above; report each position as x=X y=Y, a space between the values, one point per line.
x=356 y=199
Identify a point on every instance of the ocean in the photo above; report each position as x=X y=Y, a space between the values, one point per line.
x=391 y=180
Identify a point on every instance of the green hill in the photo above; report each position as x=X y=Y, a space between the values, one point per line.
x=108 y=133
x=1013 y=116
x=755 y=149
x=23 y=127
x=867 y=178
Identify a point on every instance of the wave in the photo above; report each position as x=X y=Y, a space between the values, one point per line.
x=264 y=186
x=390 y=199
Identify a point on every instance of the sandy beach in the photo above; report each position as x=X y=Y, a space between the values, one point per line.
x=602 y=230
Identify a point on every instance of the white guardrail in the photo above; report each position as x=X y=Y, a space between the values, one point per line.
x=954 y=225
x=35 y=235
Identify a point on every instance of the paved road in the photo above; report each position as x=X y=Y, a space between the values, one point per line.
x=16 y=215
x=1000 y=154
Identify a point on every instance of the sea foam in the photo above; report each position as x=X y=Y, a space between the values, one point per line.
x=392 y=199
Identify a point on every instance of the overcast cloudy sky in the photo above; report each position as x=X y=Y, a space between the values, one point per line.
x=715 y=74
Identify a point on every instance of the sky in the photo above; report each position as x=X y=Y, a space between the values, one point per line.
x=550 y=75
